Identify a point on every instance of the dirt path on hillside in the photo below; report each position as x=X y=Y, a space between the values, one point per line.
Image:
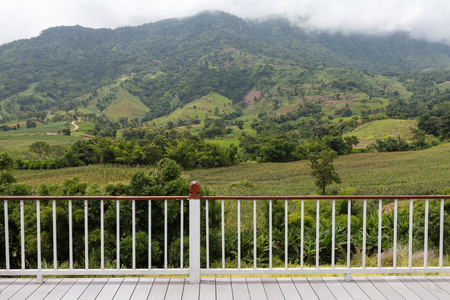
x=75 y=125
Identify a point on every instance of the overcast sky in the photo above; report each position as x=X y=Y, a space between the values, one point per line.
x=427 y=19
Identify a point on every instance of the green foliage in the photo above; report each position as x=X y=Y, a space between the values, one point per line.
x=7 y=162
x=323 y=169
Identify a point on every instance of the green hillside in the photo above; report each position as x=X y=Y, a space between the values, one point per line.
x=125 y=105
x=368 y=133
x=188 y=58
x=211 y=105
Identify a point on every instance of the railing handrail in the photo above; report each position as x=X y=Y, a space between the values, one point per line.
x=318 y=197
x=94 y=198
x=337 y=197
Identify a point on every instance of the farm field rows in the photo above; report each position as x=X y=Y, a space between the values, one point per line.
x=395 y=173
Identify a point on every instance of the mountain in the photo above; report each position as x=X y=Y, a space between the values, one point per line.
x=181 y=60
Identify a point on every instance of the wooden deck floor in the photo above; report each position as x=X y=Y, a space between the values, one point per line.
x=401 y=287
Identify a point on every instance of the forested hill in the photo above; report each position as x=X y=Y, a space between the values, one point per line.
x=63 y=63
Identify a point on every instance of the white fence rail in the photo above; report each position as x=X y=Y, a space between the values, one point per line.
x=23 y=249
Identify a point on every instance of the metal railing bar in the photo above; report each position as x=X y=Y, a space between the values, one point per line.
x=140 y=198
x=286 y=229
x=337 y=197
x=349 y=229
x=239 y=232
x=317 y=232
x=207 y=232
x=254 y=236
x=70 y=236
x=270 y=234
x=86 y=235
x=38 y=229
x=297 y=271
x=425 y=250
x=242 y=271
x=302 y=231
x=133 y=232
x=117 y=234
x=182 y=234
x=149 y=234
x=55 y=241
x=165 y=235
x=380 y=224
x=441 y=235
x=7 y=260
x=333 y=234
x=102 y=235
x=22 y=234
x=96 y=198
x=394 y=254
x=223 y=232
x=410 y=238
x=364 y=233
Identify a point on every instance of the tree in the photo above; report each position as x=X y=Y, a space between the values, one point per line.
x=41 y=148
x=7 y=162
x=323 y=169
x=31 y=124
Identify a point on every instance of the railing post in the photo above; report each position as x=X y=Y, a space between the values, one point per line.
x=194 y=233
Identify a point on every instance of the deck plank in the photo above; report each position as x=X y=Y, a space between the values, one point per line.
x=369 y=288
x=401 y=288
x=45 y=289
x=143 y=288
x=77 y=289
x=418 y=289
x=272 y=288
x=385 y=288
x=26 y=291
x=240 y=289
x=94 y=288
x=256 y=289
x=441 y=282
x=336 y=287
x=191 y=291
x=320 y=288
x=5 y=282
x=207 y=289
x=110 y=289
x=14 y=287
x=432 y=287
x=288 y=288
x=126 y=288
x=175 y=289
x=354 y=290
x=159 y=288
x=61 y=289
x=223 y=289
x=304 y=288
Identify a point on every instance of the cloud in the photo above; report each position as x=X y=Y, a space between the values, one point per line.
x=424 y=19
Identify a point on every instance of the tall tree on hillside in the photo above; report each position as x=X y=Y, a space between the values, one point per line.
x=323 y=169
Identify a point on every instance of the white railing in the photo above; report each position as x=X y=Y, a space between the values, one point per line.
x=332 y=268
x=79 y=232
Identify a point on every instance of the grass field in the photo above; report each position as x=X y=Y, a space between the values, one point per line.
x=18 y=141
x=382 y=129
x=199 y=109
x=125 y=105
x=99 y=174
x=395 y=173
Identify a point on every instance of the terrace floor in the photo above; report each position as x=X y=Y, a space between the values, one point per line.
x=374 y=287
